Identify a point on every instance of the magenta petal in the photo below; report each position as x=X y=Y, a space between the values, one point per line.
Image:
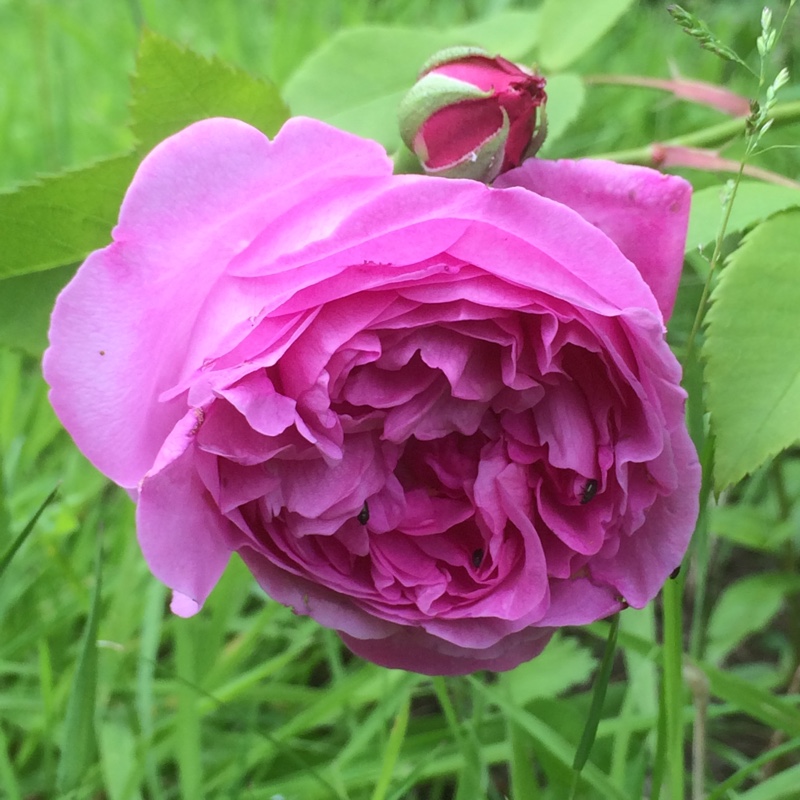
x=418 y=651
x=185 y=540
x=195 y=201
x=645 y=213
x=646 y=558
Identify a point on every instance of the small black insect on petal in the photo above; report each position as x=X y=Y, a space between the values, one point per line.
x=477 y=558
x=677 y=571
x=363 y=515
x=589 y=491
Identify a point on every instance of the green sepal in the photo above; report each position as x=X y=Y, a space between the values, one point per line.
x=450 y=54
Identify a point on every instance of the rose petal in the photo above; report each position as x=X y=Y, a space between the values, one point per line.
x=646 y=214
x=196 y=200
x=185 y=540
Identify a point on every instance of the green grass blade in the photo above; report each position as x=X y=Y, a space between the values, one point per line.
x=9 y=786
x=392 y=752
x=721 y=792
x=188 y=746
x=673 y=687
x=782 y=786
x=550 y=740
x=25 y=532
x=598 y=699
x=152 y=619
x=77 y=752
x=523 y=779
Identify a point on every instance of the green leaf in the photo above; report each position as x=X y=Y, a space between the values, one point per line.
x=511 y=34
x=61 y=219
x=562 y=665
x=751 y=527
x=25 y=305
x=753 y=362
x=118 y=760
x=570 y=27
x=565 y=95
x=754 y=202
x=745 y=607
x=174 y=87
x=356 y=80
x=64 y=217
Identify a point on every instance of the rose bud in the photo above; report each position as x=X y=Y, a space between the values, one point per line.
x=471 y=115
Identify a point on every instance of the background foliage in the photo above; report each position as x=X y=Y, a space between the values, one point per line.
x=103 y=694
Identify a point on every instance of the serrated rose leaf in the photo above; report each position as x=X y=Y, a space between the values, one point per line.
x=753 y=361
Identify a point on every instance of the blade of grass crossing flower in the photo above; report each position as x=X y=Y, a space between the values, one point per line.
x=187 y=742
x=392 y=752
x=673 y=686
x=596 y=708
x=25 y=532
x=78 y=745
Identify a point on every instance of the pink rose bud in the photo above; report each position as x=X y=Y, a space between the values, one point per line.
x=471 y=115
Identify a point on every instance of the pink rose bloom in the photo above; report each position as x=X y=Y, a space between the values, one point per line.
x=438 y=417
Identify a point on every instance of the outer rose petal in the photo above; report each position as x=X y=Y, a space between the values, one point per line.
x=418 y=651
x=197 y=199
x=184 y=538
x=658 y=547
x=643 y=212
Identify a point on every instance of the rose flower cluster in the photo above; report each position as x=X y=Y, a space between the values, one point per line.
x=437 y=416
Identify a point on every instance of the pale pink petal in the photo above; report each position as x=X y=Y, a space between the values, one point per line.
x=197 y=199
